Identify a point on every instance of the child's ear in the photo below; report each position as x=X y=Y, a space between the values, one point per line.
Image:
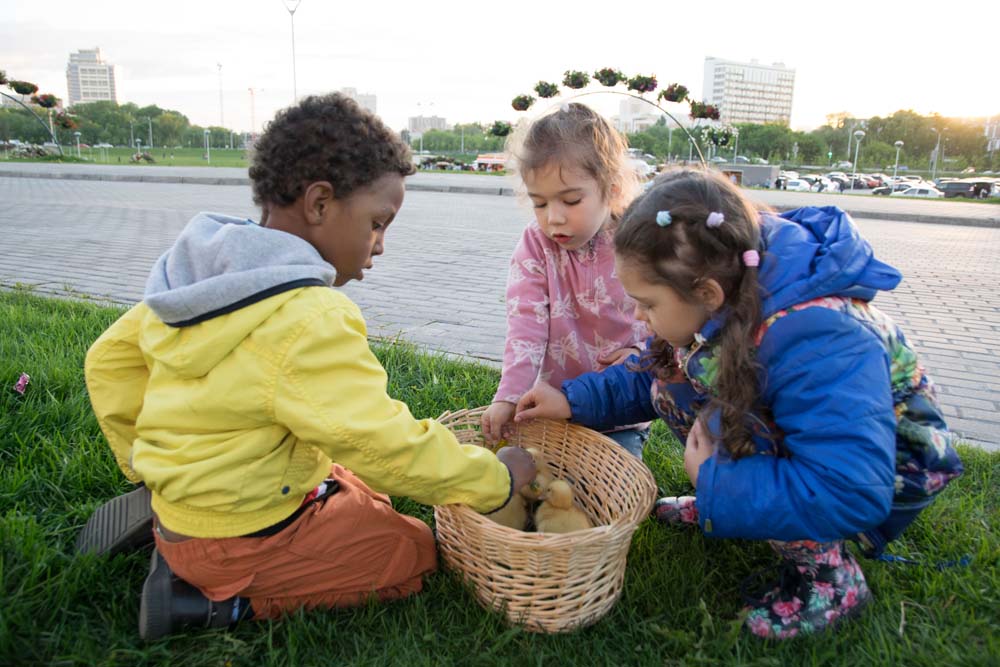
x=711 y=294
x=317 y=202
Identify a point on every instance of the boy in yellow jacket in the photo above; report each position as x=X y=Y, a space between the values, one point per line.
x=243 y=395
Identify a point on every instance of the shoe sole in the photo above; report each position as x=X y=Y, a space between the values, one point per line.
x=154 y=611
x=120 y=525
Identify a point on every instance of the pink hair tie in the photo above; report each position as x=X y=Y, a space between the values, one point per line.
x=751 y=258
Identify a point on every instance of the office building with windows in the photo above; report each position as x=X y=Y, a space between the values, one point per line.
x=749 y=92
x=89 y=78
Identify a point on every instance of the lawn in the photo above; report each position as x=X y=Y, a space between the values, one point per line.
x=681 y=589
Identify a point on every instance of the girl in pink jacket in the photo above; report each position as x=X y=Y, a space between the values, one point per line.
x=567 y=314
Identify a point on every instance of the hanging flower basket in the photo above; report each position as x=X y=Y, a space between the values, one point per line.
x=65 y=121
x=575 y=80
x=642 y=84
x=720 y=136
x=703 y=110
x=45 y=101
x=24 y=87
x=500 y=128
x=545 y=89
x=522 y=102
x=3 y=78
x=675 y=92
x=609 y=77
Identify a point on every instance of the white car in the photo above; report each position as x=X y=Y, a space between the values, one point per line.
x=798 y=185
x=927 y=191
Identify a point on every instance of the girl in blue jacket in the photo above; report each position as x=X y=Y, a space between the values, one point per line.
x=806 y=415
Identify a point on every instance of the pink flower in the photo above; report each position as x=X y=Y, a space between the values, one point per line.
x=689 y=515
x=786 y=609
x=850 y=598
x=830 y=557
x=22 y=383
x=824 y=590
x=760 y=626
x=831 y=615
x=788 y=634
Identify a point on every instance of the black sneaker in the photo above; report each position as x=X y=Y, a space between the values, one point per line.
x=170 y=604
x=120 y=525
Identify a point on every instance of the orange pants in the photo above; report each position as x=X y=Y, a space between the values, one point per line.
x=338 y=553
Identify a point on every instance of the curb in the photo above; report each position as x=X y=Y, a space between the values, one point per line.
x=991 y=222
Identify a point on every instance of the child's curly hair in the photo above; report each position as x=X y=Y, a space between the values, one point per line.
x=324 y=138
x=687 y=252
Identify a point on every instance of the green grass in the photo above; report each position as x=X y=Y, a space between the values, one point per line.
x=176 y=157
x=678 y=606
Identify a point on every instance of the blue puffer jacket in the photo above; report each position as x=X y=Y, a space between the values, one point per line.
x=843 y=398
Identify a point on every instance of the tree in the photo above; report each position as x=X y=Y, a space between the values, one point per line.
x=169 y=127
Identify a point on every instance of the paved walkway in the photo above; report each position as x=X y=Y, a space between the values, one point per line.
x=859 y=205
x=441 y=284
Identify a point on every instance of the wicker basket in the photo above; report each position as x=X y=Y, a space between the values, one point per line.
x=549 y=582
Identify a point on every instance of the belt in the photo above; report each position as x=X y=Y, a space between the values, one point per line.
x=332 y=486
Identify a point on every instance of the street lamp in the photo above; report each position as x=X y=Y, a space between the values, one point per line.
x=208 y=148
x=736 y=150
x=898 y=145
x=937 y=150
x=858 y=136
x=77 y=135
x=291 y=6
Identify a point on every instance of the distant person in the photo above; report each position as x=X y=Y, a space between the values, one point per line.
x=242 y=393
x=807 y=417
x=567 y=313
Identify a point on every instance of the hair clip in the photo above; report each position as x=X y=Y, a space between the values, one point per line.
x=663 y=218
x=751 y=258
x=715 y=219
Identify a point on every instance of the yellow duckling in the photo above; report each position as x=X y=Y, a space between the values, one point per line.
x=557 y=514
x=543 y=477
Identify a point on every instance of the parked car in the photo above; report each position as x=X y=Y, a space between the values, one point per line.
x=924 y=191
x=896 y=187
x=971 y=188
x=798 y=185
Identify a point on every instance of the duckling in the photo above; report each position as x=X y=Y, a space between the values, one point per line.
x=513 y=515
x=557 y=514
x=543 y=477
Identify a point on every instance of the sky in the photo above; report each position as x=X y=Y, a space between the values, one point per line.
x=465 y=61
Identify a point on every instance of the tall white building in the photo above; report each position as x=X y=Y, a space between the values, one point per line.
x=749 y=92
x=635 y=116
x=366 y=100
x=89 y=78
x=420 y=124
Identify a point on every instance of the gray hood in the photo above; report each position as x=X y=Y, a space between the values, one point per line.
x=219 y=264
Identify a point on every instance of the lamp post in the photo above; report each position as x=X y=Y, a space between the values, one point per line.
x=937 y=150
x=736 y=149
x=222 y=118
x=291 y=6
x=131 y=132
x=208 y=148
x=858 y=136
x=898 y=145
x=77 y=135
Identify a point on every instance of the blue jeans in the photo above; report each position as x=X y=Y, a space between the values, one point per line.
x=633 y=440
x=901 y=516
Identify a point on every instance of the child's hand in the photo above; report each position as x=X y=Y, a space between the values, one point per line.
x=520 y=464
x=698 y=449
x=618 y=356
x=543 y=400
x=496 y=417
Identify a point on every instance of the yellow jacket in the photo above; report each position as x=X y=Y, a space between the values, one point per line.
x=230 y=421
